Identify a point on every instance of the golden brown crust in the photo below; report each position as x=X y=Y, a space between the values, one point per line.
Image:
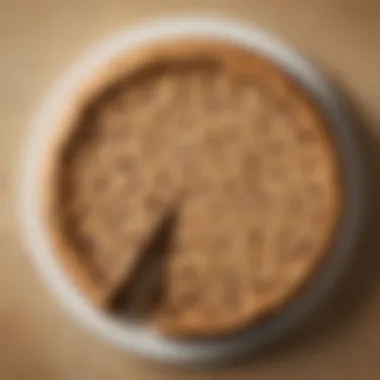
x=246 y=65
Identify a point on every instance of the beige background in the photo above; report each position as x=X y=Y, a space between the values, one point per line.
x=38 y=38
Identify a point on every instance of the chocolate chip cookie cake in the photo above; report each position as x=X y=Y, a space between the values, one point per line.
x=228 y=141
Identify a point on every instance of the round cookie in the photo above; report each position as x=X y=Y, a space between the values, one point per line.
x=242 y=142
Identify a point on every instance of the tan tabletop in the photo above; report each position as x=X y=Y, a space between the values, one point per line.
x=38 y=38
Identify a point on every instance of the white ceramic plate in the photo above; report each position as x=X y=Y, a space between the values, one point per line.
x=141 y=339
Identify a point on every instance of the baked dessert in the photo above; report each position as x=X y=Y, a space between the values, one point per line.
x=228 y=140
